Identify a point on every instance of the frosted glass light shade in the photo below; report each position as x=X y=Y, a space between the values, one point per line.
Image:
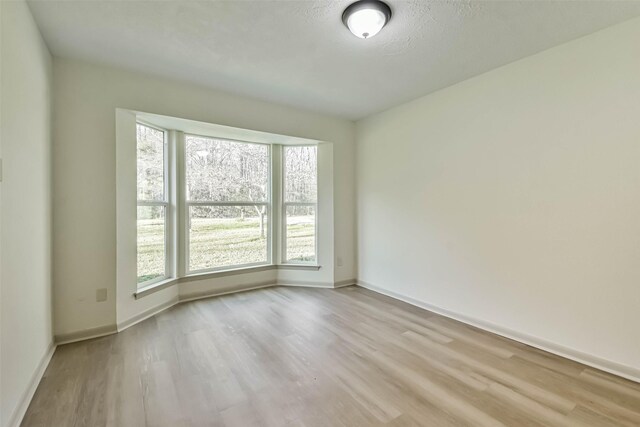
x=365 y=18
x=366 y=23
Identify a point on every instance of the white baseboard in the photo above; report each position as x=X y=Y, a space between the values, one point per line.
x=303 y=284
x=102 y=331
x=216 y=293
x=345 y=283
x=191 y=296
x=85 y=334
x=593 y=361
x=25 y=399
x=146 y=314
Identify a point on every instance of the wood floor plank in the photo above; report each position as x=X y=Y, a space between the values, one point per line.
x=317 y=357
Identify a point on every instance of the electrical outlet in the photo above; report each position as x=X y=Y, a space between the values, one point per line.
x=340 y=263
x=101 y=294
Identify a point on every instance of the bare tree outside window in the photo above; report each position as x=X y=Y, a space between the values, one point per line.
x=228 y=197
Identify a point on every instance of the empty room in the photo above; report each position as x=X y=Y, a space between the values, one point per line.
x=319 y=213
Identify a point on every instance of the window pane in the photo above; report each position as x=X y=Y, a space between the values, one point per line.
x=151 y=243
x=301 y=233
x=150 y=149
x=223 y=236
x=301 y=168
x=226 y=171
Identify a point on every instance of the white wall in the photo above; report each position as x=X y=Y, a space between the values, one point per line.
x=85 y=102
x=513 y=198
x=25 y=243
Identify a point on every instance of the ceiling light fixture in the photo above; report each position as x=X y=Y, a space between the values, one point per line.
x=365 y=18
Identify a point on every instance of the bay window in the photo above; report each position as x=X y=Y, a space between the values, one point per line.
x=218 y=202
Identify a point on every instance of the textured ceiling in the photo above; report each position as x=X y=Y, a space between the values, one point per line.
x=298 y=52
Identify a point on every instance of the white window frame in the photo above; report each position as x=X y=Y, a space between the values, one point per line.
x=165 y=204
x=188 y=203
x=285 y=204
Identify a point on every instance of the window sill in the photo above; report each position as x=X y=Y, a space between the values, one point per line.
x=230 y=272
x=155 y=287
x=299 y=267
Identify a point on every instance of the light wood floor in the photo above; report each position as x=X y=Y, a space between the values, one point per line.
x=319 y=357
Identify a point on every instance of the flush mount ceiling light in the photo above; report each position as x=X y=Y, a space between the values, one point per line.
x=365 y=18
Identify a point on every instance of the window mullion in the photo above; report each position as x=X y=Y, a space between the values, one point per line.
x=182 y=207
x=276 y=204
x=172 y=205
x=300 y=203
x=151 y=203
x=211 y=203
